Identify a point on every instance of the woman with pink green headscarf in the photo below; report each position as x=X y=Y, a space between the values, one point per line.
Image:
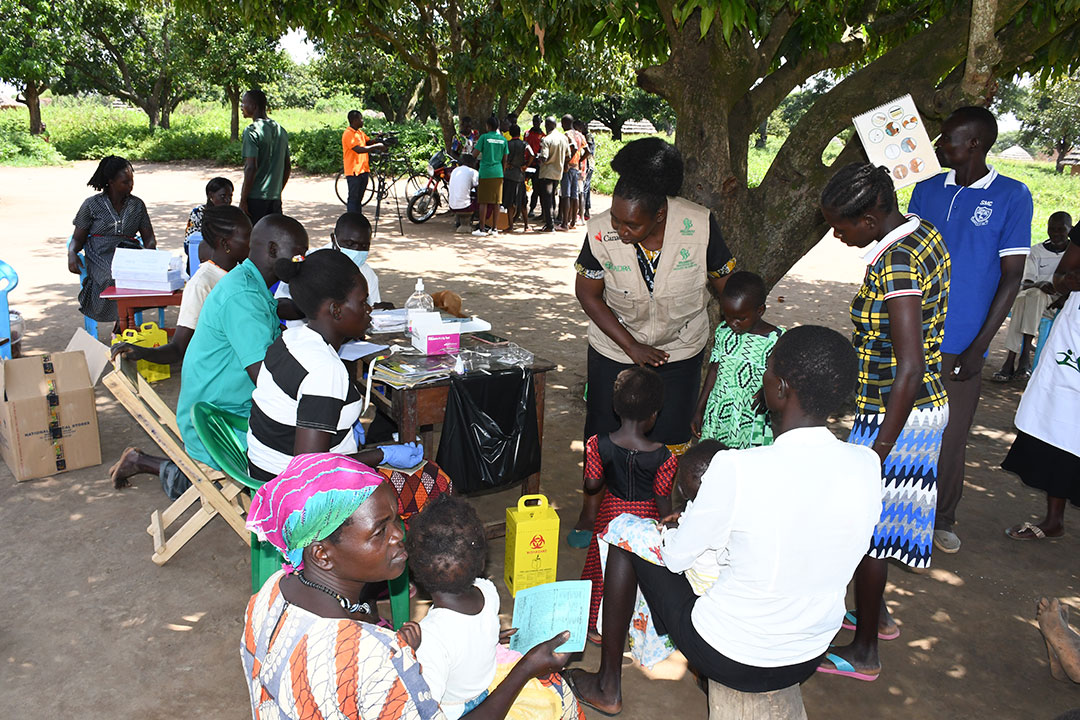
x=309 y=648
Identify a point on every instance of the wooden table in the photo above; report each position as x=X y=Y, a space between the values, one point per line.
x=128 y=302
x=417 y=409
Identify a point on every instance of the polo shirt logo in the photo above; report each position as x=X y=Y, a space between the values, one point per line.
x=1067 y=359
x=982 y=214
x=687 y=227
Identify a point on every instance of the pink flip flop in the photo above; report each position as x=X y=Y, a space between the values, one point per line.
x=843 y=668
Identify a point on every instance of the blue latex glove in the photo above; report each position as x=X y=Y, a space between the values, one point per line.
x=402 y=456
x=359 y=434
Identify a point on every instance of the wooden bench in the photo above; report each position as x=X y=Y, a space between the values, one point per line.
x=213 y=491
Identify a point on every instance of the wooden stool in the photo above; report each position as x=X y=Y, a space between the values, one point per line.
x=728 y=704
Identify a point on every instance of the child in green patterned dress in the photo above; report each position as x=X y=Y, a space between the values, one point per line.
x=728 y=407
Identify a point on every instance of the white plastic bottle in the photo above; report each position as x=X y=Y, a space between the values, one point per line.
x=418 y=302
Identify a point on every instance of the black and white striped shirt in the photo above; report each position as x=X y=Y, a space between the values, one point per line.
x=302 y=384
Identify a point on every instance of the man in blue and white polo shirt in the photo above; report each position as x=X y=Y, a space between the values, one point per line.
x=985 y=219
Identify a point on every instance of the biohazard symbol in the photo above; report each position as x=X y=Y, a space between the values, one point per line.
x=537 y=542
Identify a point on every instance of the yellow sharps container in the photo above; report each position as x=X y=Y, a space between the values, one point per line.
x=532 y=543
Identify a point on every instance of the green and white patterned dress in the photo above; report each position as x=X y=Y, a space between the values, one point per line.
x=729 y=413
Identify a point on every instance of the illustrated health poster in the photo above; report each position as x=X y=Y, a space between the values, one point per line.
x=893 y=135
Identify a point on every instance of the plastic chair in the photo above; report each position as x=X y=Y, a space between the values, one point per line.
x=191 y=245
x=217 y=429
x=8 y=280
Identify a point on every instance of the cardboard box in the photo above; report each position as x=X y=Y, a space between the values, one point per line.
x=532 y=544
x=48 y=419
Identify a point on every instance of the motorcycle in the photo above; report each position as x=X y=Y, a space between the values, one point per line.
x=425 y=202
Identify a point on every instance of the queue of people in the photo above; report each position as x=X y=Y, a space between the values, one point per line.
x=558 y=164
x=749 y=579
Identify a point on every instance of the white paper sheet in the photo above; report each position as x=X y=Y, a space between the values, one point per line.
x=359 y=348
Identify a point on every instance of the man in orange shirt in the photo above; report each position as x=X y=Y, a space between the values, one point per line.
x=356 y=146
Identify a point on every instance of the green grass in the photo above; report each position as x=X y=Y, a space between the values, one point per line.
x=85 y=130
x=18 y=147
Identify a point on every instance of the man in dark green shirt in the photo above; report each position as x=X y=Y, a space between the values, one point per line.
x=265 y=149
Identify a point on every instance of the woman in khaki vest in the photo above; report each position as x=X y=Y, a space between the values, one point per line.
x=643 y=278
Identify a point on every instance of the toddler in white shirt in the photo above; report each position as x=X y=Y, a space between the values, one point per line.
x=456 y=641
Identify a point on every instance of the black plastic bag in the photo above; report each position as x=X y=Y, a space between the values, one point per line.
x=489 y=436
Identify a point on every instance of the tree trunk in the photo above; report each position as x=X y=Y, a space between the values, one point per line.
x=710 y=84
x=762 y=135
x=31 y=97
x=385 y=104
x=233 y=93
x=408 y=104
x=476 y=101
x=983 y=53
x=503 y=104
x=439 y=96
x=523 y=102
x=153 y=112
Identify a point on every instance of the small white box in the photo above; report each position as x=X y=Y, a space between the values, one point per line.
x=431 y=336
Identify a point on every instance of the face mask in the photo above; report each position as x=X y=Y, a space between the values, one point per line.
x=359 y=257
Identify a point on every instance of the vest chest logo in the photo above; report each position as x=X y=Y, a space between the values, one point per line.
x=687 y=227
x=608 y=265
x=982 y=214
x=609 y=236
x=685 y=263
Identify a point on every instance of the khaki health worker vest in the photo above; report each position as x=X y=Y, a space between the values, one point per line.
x=673 y=317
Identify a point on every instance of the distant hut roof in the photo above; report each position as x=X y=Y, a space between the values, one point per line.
x=1072 y=157
x=630 y=127
x=1016 y=153
x=638 y=127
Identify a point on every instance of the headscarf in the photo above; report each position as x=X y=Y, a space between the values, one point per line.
x=308 y=501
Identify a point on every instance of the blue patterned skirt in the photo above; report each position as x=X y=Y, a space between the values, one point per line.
x=909 y=500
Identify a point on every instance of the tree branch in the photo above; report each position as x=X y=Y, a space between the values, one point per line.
x=412 y=60
x=775 y=86
x=984 y=52
x=770 y=44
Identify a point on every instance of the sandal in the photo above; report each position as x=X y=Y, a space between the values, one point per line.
x=1024 y=374
x=842 y=667
x=1037 y=533
x=1001 y=377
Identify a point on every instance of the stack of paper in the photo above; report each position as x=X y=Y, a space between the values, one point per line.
x=158 y=270
x=388 y=321
x=401 y=371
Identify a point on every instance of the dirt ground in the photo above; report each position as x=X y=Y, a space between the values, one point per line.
x=84 y=605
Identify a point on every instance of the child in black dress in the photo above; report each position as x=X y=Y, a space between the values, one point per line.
x=638 y=473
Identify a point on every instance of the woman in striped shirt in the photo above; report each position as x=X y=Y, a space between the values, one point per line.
x=304 y=399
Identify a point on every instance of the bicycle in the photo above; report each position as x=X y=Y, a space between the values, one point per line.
x=387 y=169
x=424 y=204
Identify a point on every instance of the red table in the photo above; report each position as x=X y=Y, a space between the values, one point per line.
x=128 y=302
